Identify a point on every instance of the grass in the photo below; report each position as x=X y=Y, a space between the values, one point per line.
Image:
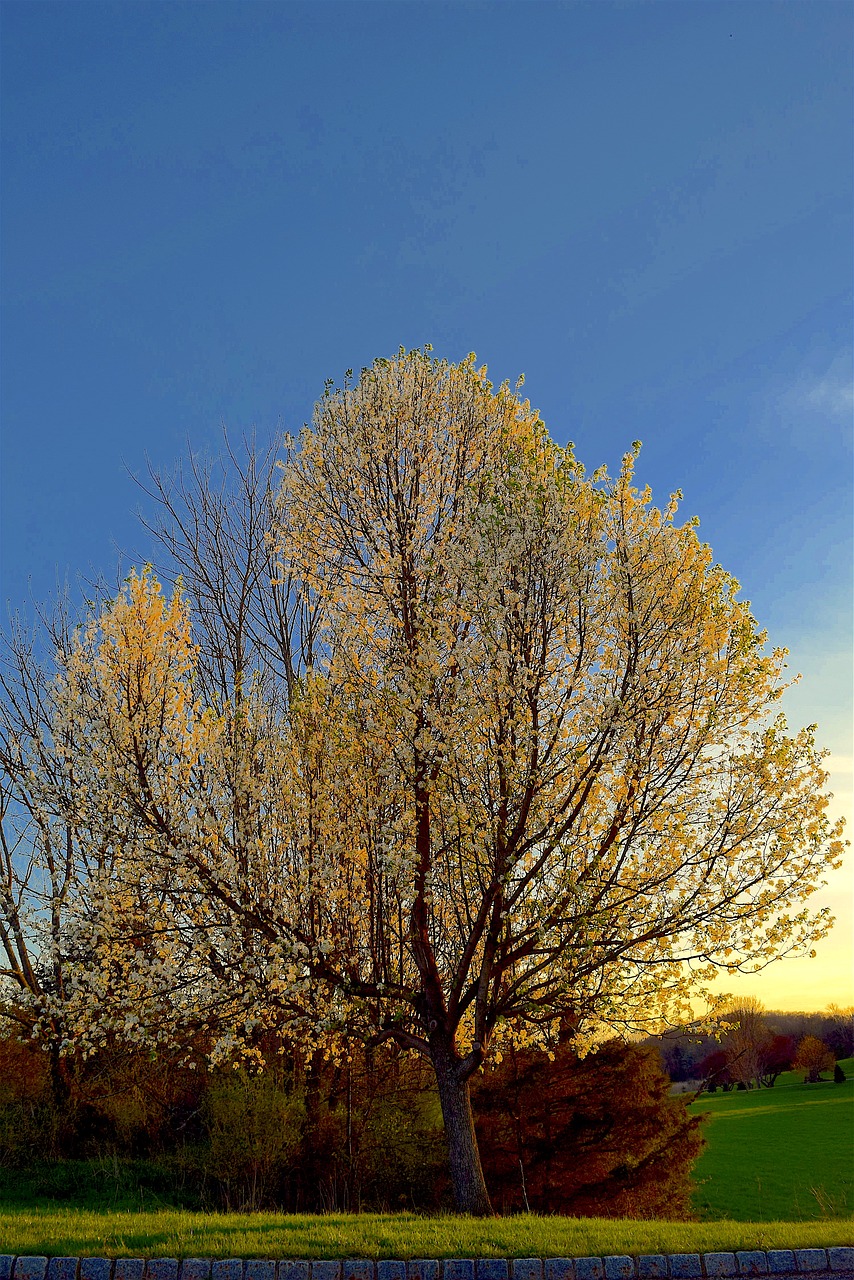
x=108 y=1183
x=175 y=1233
x=777 y=1173
x=781 y=1153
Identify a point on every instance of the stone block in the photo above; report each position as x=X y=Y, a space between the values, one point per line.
x=260 y=1269
x=95 y=1268
x=160 y=1269
x=62 y=1268
x=527 y=1268
x=226 y=1269
x=752 y=1262
x=194 y=1269
x=685 y=1266
x=720 y=1264
x=354 y=1269
x=589 y=1269
x=422 y=1269
x=294 y=1269
x=129 y=1269
x=30 y=1267
x=325 y=1269
x=652 y=1266
x=458 y=1269
x=619 y=1267
x=560 y=1269
x=391 y=1269
x=492 y=1269
x=6 y=1262
x=811 y=1259
x=780 y=1261
x=841 y=1260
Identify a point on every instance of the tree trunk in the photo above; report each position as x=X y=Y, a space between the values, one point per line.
x=470 y=1193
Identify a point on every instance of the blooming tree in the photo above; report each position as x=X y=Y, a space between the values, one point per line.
x=526 y=771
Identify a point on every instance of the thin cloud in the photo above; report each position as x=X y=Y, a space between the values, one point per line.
x=828 y=396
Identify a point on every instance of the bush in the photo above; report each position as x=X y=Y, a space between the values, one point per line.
x=254 y=1128
x=590 y=1137
x=597 y=1136
x=397 y=1152
x=838 y=1074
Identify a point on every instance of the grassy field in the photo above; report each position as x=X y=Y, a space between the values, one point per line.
x=786 y=1152
x=777 y=1173
x=172 y=1233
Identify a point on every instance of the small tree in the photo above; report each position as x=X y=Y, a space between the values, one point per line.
x=775 y=1057
x=813 y=1057
x=714 y=1071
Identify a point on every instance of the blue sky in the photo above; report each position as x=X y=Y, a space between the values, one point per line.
x=210 y=208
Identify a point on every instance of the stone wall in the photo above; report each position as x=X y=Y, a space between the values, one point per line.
x=820 y=1264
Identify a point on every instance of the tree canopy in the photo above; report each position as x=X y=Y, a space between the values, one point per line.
x=490 y=750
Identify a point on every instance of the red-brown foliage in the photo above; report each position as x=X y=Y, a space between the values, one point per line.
x=24 y=1069
x=600 y=1136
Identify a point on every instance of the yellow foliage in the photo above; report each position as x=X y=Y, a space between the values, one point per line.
x=532 y=773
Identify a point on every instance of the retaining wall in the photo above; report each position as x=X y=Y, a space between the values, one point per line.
x=819 y=1264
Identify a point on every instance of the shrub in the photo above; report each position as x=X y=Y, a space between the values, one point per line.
x=32 y=1125
x=596 y=1136
x=254 y=1128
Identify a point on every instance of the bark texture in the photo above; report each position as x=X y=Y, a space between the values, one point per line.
x=469 y=1184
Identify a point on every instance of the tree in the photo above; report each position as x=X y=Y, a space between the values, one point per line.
x=679 y=1058
x=714 y=1070
x=775 y=1058
x=837 y=1030
x=746 y=1041
x=524 y=772
x=813 y=1057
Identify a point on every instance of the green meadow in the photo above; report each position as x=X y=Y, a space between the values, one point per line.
x=786 y=1152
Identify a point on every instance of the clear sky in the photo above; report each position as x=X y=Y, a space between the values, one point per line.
x=646 y=207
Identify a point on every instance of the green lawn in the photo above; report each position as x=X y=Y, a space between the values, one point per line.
x=786 y=1152
x=174 y=1233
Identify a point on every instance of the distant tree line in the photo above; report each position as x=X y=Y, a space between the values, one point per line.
x=754 y=1047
